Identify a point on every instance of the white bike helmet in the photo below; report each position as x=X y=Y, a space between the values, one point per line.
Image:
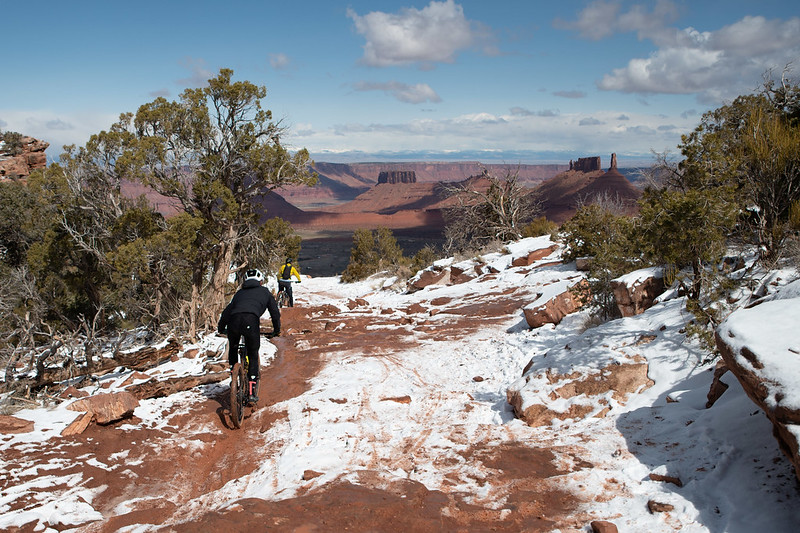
x=255 y=274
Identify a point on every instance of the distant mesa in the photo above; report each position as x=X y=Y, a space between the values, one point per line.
x=397 y=176
x=585 y=164
x=562 y=194
x=590 y=164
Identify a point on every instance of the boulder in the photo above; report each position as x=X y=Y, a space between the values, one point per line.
x=603 y=526
x=358 y=302
x=78 y=425
x=554 y=309
x=463 y=275
x=636 y=292
x=430 y=277
x=622 y=379
x=533 y=256
x=72 y=392
x=718 y=387
x=107 y=408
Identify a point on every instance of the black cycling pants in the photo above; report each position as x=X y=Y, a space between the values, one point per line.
x=287 y=286
x=245 y=325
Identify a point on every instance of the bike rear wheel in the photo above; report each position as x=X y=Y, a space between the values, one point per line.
x=283 y=299
x=238 y=394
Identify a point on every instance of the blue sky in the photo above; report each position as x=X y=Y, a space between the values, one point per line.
x=516 y=81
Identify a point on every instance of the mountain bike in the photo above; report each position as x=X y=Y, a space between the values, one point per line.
x=239 y=393
x=283 y=296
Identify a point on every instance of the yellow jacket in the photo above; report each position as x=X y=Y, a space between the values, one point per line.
x=292 y=272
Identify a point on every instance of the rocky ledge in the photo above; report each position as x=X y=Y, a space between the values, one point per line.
x=760 y=345
x=25 y=158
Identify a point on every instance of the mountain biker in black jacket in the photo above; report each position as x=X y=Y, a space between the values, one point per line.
x=241 y=319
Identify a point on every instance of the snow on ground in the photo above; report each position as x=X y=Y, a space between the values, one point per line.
x=410 y=414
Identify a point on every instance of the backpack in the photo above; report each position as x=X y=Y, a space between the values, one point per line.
x=287 y=272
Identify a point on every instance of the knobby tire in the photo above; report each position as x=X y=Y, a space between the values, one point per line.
x=283 y=299
x=238 y=394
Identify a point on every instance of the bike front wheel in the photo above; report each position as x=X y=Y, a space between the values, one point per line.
x=238 y=394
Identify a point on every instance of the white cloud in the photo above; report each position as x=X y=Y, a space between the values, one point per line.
x=199 y=73
x=509 y=133
x=717 y=65
x=522 y=112
x=570 y=94
x=58 y=129
x=279 y=61
x=433 y=34
x=602 y=19
x=164 y=93
x=411 y=94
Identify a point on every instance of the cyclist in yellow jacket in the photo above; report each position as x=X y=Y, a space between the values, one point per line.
x=285 y=274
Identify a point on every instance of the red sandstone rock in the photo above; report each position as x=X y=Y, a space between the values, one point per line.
x=622 y=379
x=534 y=256
x=658 y=507
x=635 y=298
x=72 y=392
x=757 y=388
x=12 y=424
x=107 y=408
x=718 y=387
x=460 y=275
x=33 y=156
x=555 y=309
x=78 y=425
x=667 y=479
x=602 y=526
x=430 y=277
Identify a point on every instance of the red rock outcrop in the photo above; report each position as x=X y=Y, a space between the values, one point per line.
x=763 y=376
x=533 y=256
x=30 y=157
x=78 y=425
x=586 y=164
x=107 y=408
x=430 y=277
x=603 y=526
x=555 y=309
x=622 y=379
x=397 y=176
x=12 y=424
x=636 y=296
x=561 y=194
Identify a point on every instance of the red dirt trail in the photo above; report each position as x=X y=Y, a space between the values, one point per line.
x=151 y=475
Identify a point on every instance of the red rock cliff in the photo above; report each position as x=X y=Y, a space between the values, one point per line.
x=21 y=161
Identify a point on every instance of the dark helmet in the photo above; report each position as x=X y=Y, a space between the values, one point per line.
x=288 y=259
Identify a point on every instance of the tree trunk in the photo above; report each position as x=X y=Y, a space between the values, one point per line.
x=194 y=306
x=215 y=296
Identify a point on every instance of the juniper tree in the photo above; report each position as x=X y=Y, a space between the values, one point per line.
x=217 y=153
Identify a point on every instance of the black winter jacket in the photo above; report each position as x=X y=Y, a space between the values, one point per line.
x=255 y=299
